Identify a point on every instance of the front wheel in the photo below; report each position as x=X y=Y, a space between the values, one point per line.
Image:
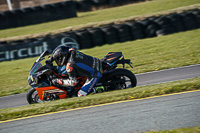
x=118 y=79
x=32 y=96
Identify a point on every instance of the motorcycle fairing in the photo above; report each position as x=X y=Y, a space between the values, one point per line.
x=112 y=57
x=35 y=67
x=51 y=89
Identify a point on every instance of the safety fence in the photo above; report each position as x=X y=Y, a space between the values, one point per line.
x=37 y=14
x=109 y=34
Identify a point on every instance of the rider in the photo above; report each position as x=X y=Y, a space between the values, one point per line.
x=77 y=64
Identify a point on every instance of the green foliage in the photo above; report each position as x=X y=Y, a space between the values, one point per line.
x=180 y=130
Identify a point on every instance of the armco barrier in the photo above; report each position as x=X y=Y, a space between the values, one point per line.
x=39 y=14
x=90 y=37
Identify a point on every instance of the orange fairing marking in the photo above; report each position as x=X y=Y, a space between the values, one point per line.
x=51 y=89
x=111 y=58
x=110 y=54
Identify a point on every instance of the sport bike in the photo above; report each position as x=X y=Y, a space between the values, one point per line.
x=42 y=88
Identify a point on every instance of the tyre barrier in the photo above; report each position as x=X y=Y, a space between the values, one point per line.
x=97 y=36
x=189 y=21
x=84 y=38
x=88 y=5
x=123 y=32
x=38 y=14
x=137 y=30
x=109 y=34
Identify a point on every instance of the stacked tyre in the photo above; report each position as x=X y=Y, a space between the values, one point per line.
x=189 y=22
x=97 y=36
x=38 y=14
x=84 y=39
x=176 y=21
x=136 y=30
x=110 y=34
x=87 y=5
x=123 y=32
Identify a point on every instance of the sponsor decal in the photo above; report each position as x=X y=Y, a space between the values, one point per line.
x=35 y=48
x=23 y=52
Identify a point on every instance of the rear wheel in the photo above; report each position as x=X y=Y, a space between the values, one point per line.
x=120 y=79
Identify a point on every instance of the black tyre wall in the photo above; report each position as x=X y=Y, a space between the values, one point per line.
x=165 y=26
x=4 y=20
x=110 y=34
x=136 y=30
x=87 y=5
x=27 y=17
x=71 y=34
x=123 y=32
x=84 y=39
x=97 y=36
x=196 y=14
x=81 y=6
x=39 y=14
x=176 y=21
x=189 y=21
x=150 y=27
x=12 y=19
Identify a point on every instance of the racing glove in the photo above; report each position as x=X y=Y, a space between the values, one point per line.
x=49 y=61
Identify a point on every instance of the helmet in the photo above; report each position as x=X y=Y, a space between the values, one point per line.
x=60 y=55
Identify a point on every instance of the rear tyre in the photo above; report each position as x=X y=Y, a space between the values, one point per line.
x=120 y=79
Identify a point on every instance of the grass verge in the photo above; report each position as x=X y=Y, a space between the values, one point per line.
x=180 y=130
x=100 y=17
x=150 y=54
x=101 y=98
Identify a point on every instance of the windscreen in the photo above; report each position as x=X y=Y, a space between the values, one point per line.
x=35 y=67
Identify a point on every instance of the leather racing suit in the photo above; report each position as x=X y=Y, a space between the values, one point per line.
x=80 y=64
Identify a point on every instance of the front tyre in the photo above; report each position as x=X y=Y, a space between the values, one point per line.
x=32 y=96
x=121 y=79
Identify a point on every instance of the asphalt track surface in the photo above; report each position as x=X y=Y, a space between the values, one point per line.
x=156 y=113
x=149 y=78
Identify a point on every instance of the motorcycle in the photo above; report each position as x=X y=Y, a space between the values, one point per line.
x=42 y=88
